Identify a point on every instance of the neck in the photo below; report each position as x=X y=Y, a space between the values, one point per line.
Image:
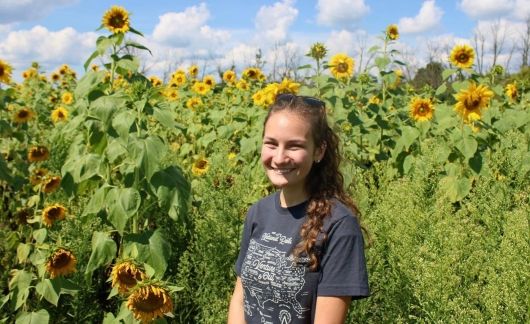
x=290 y=198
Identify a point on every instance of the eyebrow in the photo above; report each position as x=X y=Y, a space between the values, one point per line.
x=293 y=141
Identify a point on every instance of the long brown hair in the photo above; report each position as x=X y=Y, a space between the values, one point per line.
x=324 y=181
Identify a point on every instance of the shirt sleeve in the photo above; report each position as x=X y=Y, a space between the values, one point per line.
x=343 y=265
x=247 y=232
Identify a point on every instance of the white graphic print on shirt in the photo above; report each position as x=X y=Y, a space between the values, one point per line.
x=269 y=276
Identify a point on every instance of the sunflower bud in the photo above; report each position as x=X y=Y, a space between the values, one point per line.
x=317 y=51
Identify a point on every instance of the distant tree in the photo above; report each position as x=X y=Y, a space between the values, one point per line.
x=430 y=75
x=525 y=45
x=478 y=42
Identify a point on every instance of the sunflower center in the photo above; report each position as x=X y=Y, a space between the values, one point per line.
x=201 y=164
x=149 y=303
x=23 y=114
x=61 y=260
x=117 y=21
x=342 y=67
x=128 y=277
x=463 y=57
x=2 y=70
x=54 y=213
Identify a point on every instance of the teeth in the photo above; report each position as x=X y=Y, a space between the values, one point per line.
x=282 y=171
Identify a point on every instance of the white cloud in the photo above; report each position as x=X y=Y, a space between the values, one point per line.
x=241 y=55
x=428 y=18
x=48 y=48
x=188 y=28
x=273 y=22
x=521 y=9
x=341 y=13
x=487 y=8
x=13 y=11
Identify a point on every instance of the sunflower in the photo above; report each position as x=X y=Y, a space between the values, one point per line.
x=511 y=91
x=462 y=56
x=193 y=103
x=125 y=275
x=29 y=73
x=116 y=20
x=155 y=81
x=229 y=77
x=392 y=32
x=200 y=166
x=341 y=66
x=193 y=71
x=149 y=302
x=38 y=154
x=50 y=184
x=421 y=109
x=67 y=98
x=59 y=115
x=37 y=176
x=23 y=115
x=171 y=94
x=201 y=88
x=317 y=51
x=242 y=85
x=472 y=101
x=62 y=262
x=5 y=72
x=53 y=213
x=179 y=79
x=64 y=69
x=252 y=74
x=94 y=67
x=374 y=100
x=55 y=77
x=288 y=86
x=209 y=80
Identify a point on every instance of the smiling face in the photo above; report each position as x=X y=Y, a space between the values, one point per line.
x=288 y=152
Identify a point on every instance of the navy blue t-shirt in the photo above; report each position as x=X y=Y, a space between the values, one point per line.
x=278 y=289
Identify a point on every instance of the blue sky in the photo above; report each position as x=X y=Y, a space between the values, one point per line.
x=217 y=34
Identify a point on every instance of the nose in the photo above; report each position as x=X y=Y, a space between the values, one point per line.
x=280 y=156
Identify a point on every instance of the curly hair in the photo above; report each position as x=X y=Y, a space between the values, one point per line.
x=325 y=182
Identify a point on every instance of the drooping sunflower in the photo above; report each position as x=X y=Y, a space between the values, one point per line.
x=37 y=176
x=38 y=154
x=149 y=302
x=50 y=184
x=61 y=263
x=317 y=51
x=511 y=91
x=59 y=115
x=471 y=102
x=23 y=115
x=209 y=80
x=125 y=275
x=392 y=32
x=193 y=103
x=155 y=81
x=462 y=56
x=116 y=20
x=67 y=98
x=5 y=72
x=229 y=77
x=200 y=166
x=341 y=66
x=193 y=71
x=53 y=213
x=201 y=88
x=421 y=109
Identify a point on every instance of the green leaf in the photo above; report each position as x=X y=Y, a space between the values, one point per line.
x=20 y=285
x=475 y=163
x=97 y=201
x=381 y=62
x=23 y=251
x=123 y=203
x=455 y=188
x=409 y=135
x=48 y=291
x=122 y=123
x=103 y=252
x=467 y=145
x=441 y=89
x=153 y=249
x=5 y=173
x=249 y=146
x=173 y=192
x=407 y=163
x=89 y=82
x=447 y=73
x=138 y=46
x=146 y=154
x=39 y=317
x=40 y=235
x=165 y=117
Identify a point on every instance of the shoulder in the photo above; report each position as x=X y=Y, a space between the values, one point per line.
x=342 y=220
x=264 y=204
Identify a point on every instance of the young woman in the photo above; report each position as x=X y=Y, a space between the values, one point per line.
x=302 y=252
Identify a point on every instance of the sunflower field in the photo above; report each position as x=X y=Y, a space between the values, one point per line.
x=124 y=196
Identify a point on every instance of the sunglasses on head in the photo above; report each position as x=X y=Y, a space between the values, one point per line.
x=310 y=101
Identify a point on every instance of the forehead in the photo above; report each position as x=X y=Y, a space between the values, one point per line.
x=285 y=124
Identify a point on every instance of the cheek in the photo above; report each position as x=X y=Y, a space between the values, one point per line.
x=265 y=154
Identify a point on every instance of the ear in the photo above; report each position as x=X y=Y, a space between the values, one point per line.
x=319 y=152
